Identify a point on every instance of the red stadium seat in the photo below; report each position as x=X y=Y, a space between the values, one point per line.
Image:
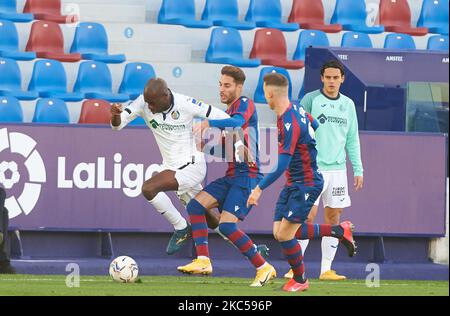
x=309 y=14
x=46 y=39
x=395 y=15
x=270 y=46
x=95 y=112
x=48 y=10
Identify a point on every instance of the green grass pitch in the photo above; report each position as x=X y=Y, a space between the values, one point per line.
x=55 y=285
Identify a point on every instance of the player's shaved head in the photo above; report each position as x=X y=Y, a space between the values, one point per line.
x=157 y=95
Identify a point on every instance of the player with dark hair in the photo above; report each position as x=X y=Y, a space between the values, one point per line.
x=296 y=156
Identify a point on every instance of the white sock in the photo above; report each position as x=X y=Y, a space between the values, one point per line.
x=202 y=257
x=217 y=230
x=164 y=206
x=329 y=248
x=304 y=244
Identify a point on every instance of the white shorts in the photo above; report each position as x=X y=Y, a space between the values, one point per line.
x=335 y=189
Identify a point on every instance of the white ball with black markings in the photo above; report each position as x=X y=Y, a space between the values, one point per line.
x=124 y=269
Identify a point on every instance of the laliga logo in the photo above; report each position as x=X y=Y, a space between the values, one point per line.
x=21 y=144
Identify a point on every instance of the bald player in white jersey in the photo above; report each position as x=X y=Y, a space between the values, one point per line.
x=170 y=116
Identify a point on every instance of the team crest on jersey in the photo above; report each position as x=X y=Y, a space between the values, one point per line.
x=175 y=115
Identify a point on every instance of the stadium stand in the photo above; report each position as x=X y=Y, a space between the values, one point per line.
x=51 y=111
x=225 y=13
x=395 y=15
x=399 y=41
x=259 y=93
x=46 y=39
x=91 y=41
x=434 y=16
x=11 y=81
x=225 y=47
x=309 y=38
x=180 y=12
x=268 y=13
x=8 y=11
x=9 y=42
x=309 y=14
x=95 y=112
x=48 y=10
x=10 y=110
x=352 y=15
x=270 y=46
x=356 y=40
x=135 y=76
x=438 y=42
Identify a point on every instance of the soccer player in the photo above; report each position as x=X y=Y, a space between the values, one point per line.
x=229 y=194
x=338 y=133
x=296 y=156
x=170 y=116
x=5 y=263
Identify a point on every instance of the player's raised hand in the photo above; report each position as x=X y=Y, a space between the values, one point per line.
x=116 y=109
x=254 y=197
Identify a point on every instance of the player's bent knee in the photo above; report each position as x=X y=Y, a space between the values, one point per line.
x=195 y=208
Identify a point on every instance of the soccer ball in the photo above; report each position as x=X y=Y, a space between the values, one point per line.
x=123 y=269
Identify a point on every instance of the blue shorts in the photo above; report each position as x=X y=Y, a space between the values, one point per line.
x=295 y=202
x=232 y=194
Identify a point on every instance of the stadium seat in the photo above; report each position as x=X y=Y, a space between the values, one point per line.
x=310 y=14
x=180 y=12
x=225 y=47
x=269 y=46
x=11 y=81
x=259 y=93
x=302 y=92
x=94 y=80
x=95 y=112
x=48 y=10
x=309 y=38
x=9 y=42
x=434 y=16
x=138 y=121
x=395 y=15
x=135 y=77
x=356 y=40
x=399 y=41
x=352 y=15
x=267 y=13
x=49 y=80
x=10 y=110
x=8 y=11
x=438 y=42
x=51 y=111
x=46 y=39
x=225 y=13
x=91 y=41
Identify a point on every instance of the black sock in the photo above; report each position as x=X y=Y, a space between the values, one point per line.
x=300 y=279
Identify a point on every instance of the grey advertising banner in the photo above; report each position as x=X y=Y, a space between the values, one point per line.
x=87 y=178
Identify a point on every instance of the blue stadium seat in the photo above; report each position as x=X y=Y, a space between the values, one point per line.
x=399 y=41
x=434 y=16
x=438 y=42
x=8 y=11
x=9 y=42
x=49 y=80
x=267 y=13
x=180 y=12
x=95 y=81
x=302 y=92
x=135 y=77
x=11 y=81
x=51 y=111
x=352 y=15
x=138 y=121
x=10 y=110
x=356 y=40
x=309 y=38
x=225 y=47
x=91 y=41
x=259 y=93
x=225 y=13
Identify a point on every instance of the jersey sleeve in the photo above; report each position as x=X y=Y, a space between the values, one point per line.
x=307 y=102
x=245 y=108
x=352 y=145
x=130 y=112
x=203 y=110
x=289 y=131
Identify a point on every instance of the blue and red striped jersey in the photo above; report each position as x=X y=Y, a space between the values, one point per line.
x=296 y=138
x=249 y=135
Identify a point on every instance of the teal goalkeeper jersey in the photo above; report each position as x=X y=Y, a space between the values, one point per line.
x=337 y=132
